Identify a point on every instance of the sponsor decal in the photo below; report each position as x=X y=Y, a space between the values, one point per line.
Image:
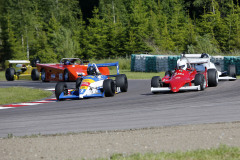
x=88 y=80
x=53 y=76
x=83 y=87
x=182 y=74
x=60 y=76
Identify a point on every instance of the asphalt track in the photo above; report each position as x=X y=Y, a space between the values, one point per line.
x=138 y=108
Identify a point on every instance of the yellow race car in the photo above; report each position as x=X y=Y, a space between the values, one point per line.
x=17 y=69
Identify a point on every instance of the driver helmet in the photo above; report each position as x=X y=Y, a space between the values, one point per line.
x=67 y=62
x=91 y=70
x=182 y=65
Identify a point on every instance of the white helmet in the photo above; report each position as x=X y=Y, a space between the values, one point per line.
x=181 y=64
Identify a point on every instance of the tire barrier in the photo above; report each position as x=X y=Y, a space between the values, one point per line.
x=160 y=63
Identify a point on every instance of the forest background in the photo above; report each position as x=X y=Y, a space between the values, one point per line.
x=54 y=29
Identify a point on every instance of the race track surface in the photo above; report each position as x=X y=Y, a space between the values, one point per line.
x=138 y=108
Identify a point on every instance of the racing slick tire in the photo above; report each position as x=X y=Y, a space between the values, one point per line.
x=109 y=87
x=43 y=75
x=35 y=75
x=156 y=81
x=66 y=75
x=78 y=82
x=59 y=88
x=9 y=74
x=200 y=80
x=232 y=71
x=122 y=82
x=212 y=77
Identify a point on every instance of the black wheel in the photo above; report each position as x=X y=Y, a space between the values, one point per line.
x=122 y=82
x=156 y=81
x=35 y=75
x=9 y=74
x=66 y=75
x=232 y=71
x=78 y=82
x=60 y=87
x=212 y=77
x=200 y=80
x=43 y=75
x=109 y=87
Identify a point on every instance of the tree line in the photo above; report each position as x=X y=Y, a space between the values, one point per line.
x=53 y=29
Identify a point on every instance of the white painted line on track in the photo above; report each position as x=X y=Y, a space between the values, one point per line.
x=28 y=104
x=6 y=107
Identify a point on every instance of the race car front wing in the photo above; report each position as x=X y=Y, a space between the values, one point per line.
x=168 y=89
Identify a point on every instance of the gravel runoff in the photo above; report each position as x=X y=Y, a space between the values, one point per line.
x=103 y=144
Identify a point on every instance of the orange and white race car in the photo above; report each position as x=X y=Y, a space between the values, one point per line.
x=69 y=69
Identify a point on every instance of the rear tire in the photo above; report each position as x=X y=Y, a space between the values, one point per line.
x=109 y=87
x=232 y=71
x=212 y=77
x=122 y=82
x=156 y=81
x=9 y=74
x=35 y=75
x=59 y=88
x=200 y=80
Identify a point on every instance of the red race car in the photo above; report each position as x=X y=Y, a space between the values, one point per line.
x=187 y=76
x=69 y=69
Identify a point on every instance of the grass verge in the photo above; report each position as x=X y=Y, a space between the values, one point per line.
x=221 y=153
x=21 y=94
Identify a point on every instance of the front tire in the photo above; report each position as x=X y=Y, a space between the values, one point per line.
x=9 y=74
x=122 y=82
x=156 y=81
x=212 y=77
x=200 y=80
x=35 y=75
x=60 y=88
x=109 y=87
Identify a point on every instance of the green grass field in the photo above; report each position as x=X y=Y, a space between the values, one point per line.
x=21 y=94
x=221 y=153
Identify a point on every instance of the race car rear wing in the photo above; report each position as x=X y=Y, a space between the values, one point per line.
x=108 y=65
x=198 y=61
x=196 y=58
x=9 y=62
